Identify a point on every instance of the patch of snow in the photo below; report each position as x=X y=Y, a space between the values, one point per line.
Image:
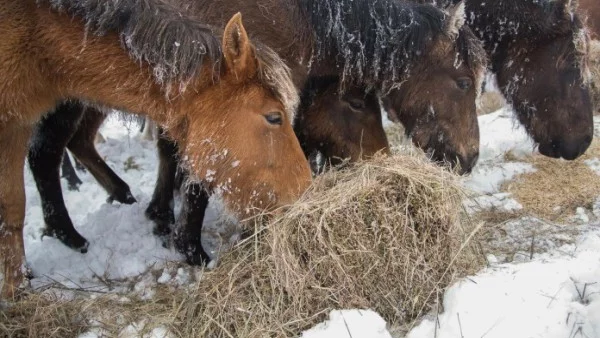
x=501 y=133
x=350 y=324
x=500 y=201
x=554 y=295
x=487 y=179
x=122 y=245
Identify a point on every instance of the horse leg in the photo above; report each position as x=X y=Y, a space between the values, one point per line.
x=143 y=125
x=82 y=146
x=69 y=173
x=50 y=138
x=78 y=165
x=188 y=233
x=160 y=209
x=13 y=149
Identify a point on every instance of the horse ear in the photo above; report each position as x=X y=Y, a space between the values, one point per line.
x=237 y=49
x=455 y=20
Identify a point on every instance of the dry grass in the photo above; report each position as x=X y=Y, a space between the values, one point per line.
x=490 y=102
x=386 y=235
x=396 y=134
x=595 y=69
x=558 y=187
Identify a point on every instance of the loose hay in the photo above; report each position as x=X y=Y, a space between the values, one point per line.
x=557 y=187
x=386 y=235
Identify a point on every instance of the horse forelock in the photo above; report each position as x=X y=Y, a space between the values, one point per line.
x=472 y=52
x=276 y=76
x=152 y=31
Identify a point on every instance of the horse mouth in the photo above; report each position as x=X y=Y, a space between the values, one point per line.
x=566 y=150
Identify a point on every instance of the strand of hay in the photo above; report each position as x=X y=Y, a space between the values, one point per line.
x=385 y=235
x=557 y=187
x=595 y=70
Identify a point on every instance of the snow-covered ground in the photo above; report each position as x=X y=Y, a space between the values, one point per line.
x=554 y=293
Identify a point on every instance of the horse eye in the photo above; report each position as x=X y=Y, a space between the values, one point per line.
x=464 y=83
x=356 y=104
x=274 y=118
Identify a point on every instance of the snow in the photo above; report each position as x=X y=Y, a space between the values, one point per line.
x=122 y=245
x=552 y=292
x=553 y=296
x=350 y=323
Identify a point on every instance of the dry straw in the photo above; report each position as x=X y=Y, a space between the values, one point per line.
x=386 y=235
x=557 y=187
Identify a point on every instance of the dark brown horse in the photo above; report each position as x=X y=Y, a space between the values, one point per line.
x=339 y=126
x=220 y=107
x=538 y=50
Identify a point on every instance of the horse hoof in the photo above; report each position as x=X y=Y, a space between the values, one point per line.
x=193 y=252
x=123 y=198
x=161 y=229
x=74 y=241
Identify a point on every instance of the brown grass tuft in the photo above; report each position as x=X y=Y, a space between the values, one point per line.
x=558 y=187
x=386 y=235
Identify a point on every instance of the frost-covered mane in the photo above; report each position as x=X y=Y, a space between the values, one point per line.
x=374 y=42
x=152 y=31
x=501 y=23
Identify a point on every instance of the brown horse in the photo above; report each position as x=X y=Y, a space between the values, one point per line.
x=340 y=126
x=237 y=107
x=539 y=50
x=345 y=126
x=591 y=10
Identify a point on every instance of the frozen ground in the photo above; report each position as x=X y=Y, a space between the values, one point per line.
x=551 y=293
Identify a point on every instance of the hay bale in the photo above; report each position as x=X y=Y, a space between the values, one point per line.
x=385 y=235
x=557 y=187
x=595 y=70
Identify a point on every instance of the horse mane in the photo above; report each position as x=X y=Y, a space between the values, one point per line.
x=176 y=44
x=276 y=77
x=152 y=31
x=532 y=19
x=500 y=23
x=374 y=42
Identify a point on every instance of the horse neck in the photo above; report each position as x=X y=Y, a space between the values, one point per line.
x=98 y=69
